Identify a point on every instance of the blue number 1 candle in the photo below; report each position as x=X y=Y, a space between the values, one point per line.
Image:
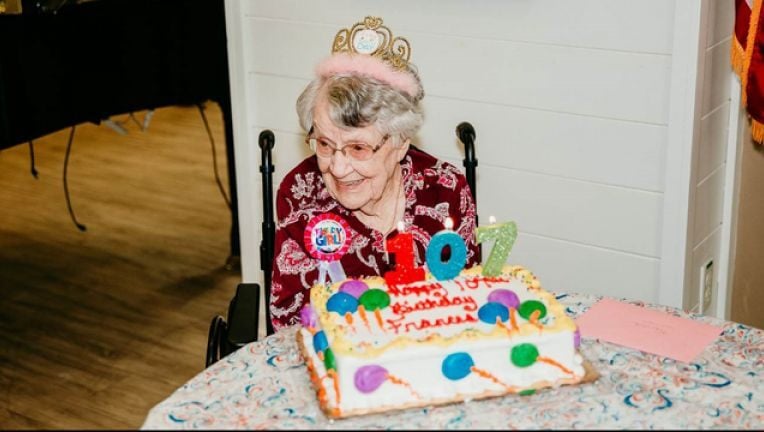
x=451 y=268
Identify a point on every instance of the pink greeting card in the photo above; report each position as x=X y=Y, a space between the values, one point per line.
x=646 y=329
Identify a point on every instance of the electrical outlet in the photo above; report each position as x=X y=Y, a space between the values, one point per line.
x=706 y=286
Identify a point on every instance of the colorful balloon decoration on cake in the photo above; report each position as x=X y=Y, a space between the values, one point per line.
x=355 y=296
x=370 y=377
x=459 y=365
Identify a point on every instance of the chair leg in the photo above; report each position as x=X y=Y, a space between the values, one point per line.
x=216 y=334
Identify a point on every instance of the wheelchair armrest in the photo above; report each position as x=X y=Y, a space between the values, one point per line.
x=243 y=316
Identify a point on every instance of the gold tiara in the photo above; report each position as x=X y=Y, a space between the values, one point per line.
x=370 y=37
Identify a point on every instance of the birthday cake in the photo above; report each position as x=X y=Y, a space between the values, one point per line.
x=373 y=346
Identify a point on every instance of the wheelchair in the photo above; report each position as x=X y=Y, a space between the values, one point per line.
x=240 y=327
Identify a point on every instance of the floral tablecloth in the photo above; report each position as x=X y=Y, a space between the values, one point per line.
x=265 y=385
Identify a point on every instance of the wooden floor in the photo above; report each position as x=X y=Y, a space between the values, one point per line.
x=98 y=327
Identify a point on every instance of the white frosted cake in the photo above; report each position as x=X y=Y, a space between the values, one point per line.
x=372 y=348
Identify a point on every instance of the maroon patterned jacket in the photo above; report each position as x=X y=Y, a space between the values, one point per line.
x=434 y=190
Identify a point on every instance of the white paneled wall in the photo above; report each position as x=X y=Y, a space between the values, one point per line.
x=709 y=159
x=570 y=100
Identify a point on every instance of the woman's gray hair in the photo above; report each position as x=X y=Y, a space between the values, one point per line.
x=359 y=101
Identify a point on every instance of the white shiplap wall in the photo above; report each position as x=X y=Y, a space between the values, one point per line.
x=570 y=99
x=709 y=164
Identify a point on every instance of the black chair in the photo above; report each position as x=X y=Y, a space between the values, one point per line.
x=243 y=318
x=224 y=336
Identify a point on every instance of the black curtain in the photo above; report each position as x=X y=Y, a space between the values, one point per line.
x=88 y=61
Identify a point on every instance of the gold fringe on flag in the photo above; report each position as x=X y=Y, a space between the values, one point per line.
x=740 y=58
x=737 y=57
x=757 y=131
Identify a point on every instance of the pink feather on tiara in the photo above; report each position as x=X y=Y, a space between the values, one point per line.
x=361 y=64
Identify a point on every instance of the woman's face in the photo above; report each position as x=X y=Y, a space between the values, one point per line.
x=356 y=185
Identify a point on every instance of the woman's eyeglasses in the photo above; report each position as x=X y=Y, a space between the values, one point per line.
x=358 y=151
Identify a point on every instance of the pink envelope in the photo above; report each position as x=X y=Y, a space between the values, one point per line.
x=646 y=329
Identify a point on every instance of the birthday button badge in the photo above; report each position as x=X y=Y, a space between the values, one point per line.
x=326 y=237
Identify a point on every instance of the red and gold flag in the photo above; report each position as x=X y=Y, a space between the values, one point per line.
x=748 y=61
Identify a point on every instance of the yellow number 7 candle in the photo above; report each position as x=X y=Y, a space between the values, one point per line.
x=504 y=235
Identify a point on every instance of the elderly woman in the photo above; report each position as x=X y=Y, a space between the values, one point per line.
x=360 y=114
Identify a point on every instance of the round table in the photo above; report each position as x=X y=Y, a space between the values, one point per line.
x=265 y=385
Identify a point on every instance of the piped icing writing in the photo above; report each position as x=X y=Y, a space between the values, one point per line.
x=406 y=314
